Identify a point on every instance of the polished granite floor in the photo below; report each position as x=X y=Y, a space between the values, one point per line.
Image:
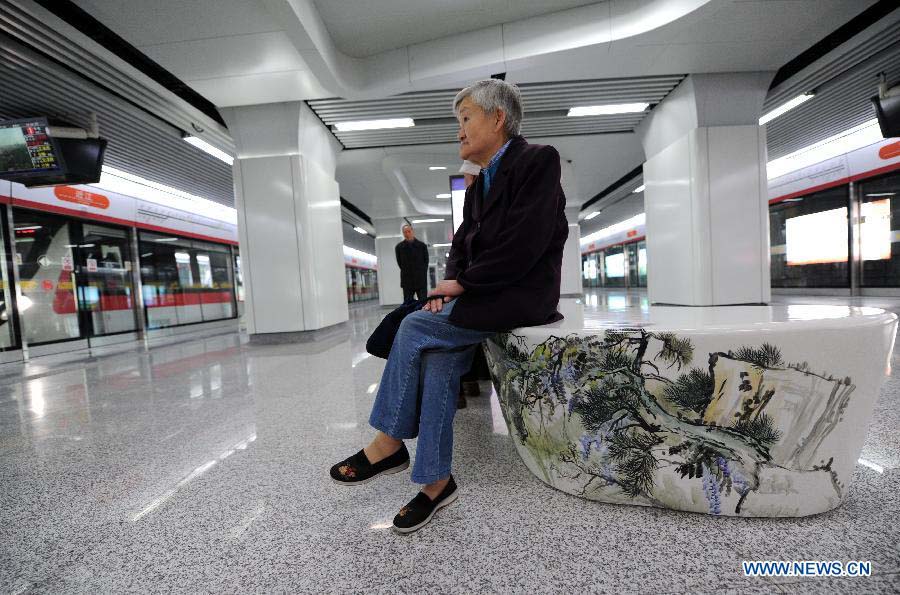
x=202 y=467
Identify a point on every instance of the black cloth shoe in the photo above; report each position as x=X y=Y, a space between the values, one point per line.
x=420 y=509
x=461 y=402
x=357 y=470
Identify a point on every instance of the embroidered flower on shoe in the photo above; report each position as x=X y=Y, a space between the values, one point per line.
x=403 y=511
x=347 y=471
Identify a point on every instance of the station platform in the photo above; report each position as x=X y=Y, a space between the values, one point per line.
x=203 y=466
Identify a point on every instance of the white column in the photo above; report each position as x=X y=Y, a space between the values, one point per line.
x=388 y=233
x=289 y=219
x=571 y=265
x=705 y=195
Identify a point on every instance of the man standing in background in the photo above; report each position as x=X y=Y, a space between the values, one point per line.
x=412 y=258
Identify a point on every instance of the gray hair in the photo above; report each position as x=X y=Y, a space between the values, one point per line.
x=491 y=94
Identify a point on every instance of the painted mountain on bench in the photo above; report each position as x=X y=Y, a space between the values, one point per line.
x=625 y=417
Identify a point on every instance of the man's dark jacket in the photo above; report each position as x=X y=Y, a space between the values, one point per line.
x=508 y=251
x=412 y=258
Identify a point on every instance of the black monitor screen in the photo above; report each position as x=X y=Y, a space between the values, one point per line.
x=26 y=148
x=888 y=111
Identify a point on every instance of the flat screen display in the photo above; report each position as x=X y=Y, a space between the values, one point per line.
x=25 y=147
x=817 y=238
x=457 y=199
x=615 y=265
x=875 y=230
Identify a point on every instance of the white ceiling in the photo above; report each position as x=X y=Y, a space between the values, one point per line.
x=146 y=24
x=741 y=35
x=234 y=53
x=363 y=28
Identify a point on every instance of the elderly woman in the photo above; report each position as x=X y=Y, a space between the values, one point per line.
x=503 y=272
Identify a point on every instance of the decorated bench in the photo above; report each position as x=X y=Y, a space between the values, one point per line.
x=740 y=410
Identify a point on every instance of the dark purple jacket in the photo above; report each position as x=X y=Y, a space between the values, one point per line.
x=508 y=251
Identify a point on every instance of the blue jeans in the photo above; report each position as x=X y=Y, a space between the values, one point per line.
x=419 y=387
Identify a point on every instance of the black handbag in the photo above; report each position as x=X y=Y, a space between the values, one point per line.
x=382 y=338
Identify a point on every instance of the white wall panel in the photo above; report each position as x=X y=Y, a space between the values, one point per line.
x=321 y=237
x=668 y=204
x=316 y=142
x=669 y=121
x=264 y=130
x=270 y=251
x=765 y=253
x=700 y=233
x=571 y=264
x=736 y=200
x=388 y=235
x=707 y=226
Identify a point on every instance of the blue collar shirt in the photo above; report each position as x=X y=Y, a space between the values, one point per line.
x=491 y=170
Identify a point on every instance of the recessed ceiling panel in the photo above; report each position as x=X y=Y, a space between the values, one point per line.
x=546 y=106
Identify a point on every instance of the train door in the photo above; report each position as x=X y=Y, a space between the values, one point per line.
x=103 y=263
x=44 y=247
x=75 y=280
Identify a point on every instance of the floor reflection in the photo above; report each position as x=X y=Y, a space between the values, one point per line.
x=205 y=463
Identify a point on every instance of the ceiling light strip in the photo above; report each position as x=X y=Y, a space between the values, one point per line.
x=785 y=108
x=358 y=125
x=610 y=109
x=615 y=228
x=209 y=149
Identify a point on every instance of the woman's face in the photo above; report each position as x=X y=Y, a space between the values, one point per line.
x=481 y=134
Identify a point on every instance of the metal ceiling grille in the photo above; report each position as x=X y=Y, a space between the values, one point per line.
x=33 y=26
x=139 y=143
x=352 y=239
x=142 y=138
x=844 y=85
x=546 y=105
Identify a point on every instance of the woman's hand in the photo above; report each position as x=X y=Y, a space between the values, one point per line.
x=449 y=289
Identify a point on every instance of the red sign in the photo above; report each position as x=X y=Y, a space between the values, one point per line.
x=631 y=233
x=82 y=197
x=889 y=151
x=47 y=285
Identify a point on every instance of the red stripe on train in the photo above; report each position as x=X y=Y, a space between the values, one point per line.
x=64 y=301
x=172 y=300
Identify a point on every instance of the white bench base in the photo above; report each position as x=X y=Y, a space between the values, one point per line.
x=743 y=410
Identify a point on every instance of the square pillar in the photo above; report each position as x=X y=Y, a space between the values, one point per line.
x=289 y=220
x=705 y=193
